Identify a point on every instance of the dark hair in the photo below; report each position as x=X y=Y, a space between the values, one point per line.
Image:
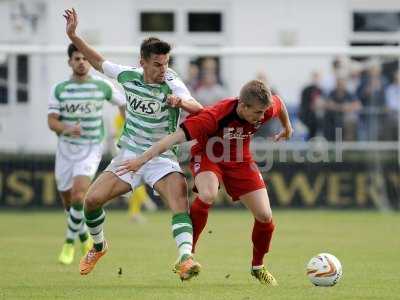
x=153 y=45
x=71 y=49
x=255 y=90
x=336 y=63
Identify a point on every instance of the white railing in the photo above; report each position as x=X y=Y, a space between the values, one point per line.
x=218 y=51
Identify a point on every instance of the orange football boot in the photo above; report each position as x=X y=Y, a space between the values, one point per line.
x=187 y=268
x=88 y=262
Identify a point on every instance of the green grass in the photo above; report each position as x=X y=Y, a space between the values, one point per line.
x=367 y=244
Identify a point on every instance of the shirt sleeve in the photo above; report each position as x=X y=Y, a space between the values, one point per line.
x=200 y=125
x=113 y=70
x=177 y=86
x=115 y=96
x=53 y=105
x=118 y=98
x=276 y=106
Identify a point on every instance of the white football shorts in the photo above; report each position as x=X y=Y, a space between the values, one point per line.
x=75 y=160
x=150 y=172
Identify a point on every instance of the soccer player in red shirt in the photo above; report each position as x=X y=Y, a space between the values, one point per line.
x=222 y=155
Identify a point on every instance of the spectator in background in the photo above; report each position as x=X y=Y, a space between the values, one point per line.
x=341 y=112
x=392 y=100
x=371 y=92
x=193 y=77
x=262 y=76
x=210 y=91
x=209 y=65
x=310 y=105
x=354 y=77
x=328 y=82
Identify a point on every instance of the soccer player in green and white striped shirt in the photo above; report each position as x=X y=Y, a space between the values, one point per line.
x=155 y=96
x=75 y=115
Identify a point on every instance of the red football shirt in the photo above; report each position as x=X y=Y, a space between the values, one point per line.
x=222 y=134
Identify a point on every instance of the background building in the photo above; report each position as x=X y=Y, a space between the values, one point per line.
x=25 y=79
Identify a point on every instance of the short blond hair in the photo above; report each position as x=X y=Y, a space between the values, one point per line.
x=255 y=90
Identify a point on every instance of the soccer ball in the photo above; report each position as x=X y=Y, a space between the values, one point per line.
x=324 y=269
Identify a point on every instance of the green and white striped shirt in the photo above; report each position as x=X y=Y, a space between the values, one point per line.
x=148 y=116
x=82 y=102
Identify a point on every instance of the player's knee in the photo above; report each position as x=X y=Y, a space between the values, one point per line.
x=77 y=195
x=264 y=217
x=208 y=195
x=93 y=201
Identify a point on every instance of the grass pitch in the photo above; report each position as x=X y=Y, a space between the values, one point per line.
x=367 y=244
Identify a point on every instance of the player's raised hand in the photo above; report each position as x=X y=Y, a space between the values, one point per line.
x=285 y=134
x=174 y=101
x=131 y=165
x=72 y=21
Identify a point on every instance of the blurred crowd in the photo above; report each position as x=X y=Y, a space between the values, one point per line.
x=204 y=81
x=357 y=99
x=353 y=102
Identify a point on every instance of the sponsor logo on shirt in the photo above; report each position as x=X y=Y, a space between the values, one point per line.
x=231 y=133
x=81 y=108
x=143 y=106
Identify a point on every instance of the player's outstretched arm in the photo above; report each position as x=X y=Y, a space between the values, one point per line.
x=287 y=130
x=161 y=146
x=189 y=105
x=94 y=58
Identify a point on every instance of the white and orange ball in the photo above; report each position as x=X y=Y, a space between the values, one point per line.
x=324 y=269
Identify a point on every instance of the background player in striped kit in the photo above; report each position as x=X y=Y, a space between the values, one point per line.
x=75 y=115
x=152 y=113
